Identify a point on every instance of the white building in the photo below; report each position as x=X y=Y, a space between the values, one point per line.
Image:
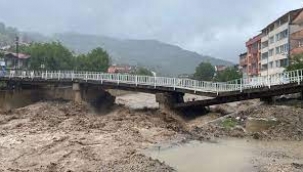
x=275 y=43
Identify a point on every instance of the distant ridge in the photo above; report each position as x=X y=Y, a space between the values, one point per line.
x=165 y=59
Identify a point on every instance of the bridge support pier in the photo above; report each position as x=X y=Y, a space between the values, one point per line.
x=168 y=100
x=77 y=93
x=99 y=98
x=267 y=100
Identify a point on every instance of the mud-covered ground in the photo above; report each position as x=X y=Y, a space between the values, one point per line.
x=60 y=136
x=63 y=136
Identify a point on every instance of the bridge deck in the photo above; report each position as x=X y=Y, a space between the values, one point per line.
x=241 y=89
x=245 y=95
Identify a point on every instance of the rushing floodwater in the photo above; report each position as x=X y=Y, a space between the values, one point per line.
x=226 y=155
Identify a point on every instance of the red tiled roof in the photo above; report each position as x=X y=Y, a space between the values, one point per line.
x=254 y=40
x=20 y=55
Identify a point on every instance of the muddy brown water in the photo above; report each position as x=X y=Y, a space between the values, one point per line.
x=227 y=155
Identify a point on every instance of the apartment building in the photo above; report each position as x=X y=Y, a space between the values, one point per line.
x=253 y=46
x=275 y=43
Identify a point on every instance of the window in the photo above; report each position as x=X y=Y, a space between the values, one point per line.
x=265 y=44
x=284 y=62
x=271 y=64
x=264 y=55
x=264 y=67
x=282 y=49
x=255 y=46
x=278 y=63
x=278 y=50
x=282 y=35
x=271 y=39
x=271 y=52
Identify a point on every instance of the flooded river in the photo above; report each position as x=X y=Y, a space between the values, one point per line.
x=227 y=155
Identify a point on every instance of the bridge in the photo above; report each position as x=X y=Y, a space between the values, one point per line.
x=169 y=91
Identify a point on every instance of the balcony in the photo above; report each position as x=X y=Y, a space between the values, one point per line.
x=243 y=62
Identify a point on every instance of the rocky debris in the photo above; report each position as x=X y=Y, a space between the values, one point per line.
x=268 y=122
x=275 y=167
x=61 y=136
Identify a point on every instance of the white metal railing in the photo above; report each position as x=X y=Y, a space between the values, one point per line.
x=175 y=83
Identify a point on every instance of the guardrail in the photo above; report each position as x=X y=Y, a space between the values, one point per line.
x=188 y=84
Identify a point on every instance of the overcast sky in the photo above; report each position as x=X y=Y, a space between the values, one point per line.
x=212 y=27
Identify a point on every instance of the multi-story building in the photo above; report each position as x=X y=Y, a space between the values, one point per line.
x=253 y=46
x=243 y=64
x=275 y=43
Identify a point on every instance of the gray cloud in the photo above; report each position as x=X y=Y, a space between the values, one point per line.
x=218 y=27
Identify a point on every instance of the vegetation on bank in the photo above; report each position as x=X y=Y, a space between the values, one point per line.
x=143 y=71
x=54 y=56
x=229 y=123
x=229 y=74
x=206 y=72
x=296 y=62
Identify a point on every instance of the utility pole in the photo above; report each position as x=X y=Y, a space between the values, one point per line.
x=17 y=51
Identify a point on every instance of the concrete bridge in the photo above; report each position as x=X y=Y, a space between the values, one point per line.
x=169 y=91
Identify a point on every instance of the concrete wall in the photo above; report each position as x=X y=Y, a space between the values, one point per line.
x=19 y=98
x=98 y=97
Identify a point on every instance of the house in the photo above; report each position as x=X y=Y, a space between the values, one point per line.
x=220 y=68
x=5 y=48
x=16 y=61
x=120 y=69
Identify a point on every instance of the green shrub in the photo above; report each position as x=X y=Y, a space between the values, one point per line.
x=229 y=123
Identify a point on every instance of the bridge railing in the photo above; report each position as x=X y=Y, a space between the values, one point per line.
x=125 y=78
x=271 y=80
x=175 y=83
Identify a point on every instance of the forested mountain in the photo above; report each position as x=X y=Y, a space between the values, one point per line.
x=163 y=58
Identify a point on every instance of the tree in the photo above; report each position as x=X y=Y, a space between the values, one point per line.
x=96 y=60
x=296 y=62
x=143 y=71
x=2 y=28
x=228 y=74
x=1 y=54
x=204 y=72
x=50 y=56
